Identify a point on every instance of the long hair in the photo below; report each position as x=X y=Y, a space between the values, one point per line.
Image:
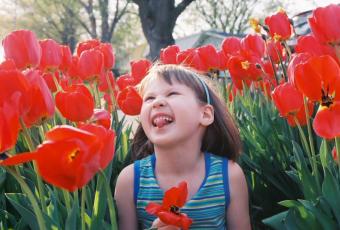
x=221 y=138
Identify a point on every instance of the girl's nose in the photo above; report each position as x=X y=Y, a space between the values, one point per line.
x=159 y=102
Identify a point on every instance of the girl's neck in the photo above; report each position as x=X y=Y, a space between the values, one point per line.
x=178 y=160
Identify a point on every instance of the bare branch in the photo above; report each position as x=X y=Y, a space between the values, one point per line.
x=181 y=7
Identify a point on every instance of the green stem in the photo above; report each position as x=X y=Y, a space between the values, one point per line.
x=337 y=148
x=305 y=143
x=311 y=143
x=82 y=208
x=114 y=104
x=110 y=202
x=38 y=177
x=67 y=200
x=31 y=197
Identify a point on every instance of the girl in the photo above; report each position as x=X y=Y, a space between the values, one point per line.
x=186 y=134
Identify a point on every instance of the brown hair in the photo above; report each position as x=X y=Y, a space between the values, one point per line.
x=221 y=137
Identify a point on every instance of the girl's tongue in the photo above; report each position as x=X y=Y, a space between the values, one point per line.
x=160 y=122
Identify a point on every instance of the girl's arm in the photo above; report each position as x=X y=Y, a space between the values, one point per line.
x=124 y=199
x=238 y=210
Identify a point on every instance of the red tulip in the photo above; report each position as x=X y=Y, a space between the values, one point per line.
x=23 y=47
x=86 y=45
x=223 y=61
x=231 y=46
x=276 y=51
x=43 y=103
x=191 y=58
x=109 y=58
x=51 y=55
x=325 y=22
x=9 y=123
x=300 y=115
x=48 y=77
x=168 y=55
x=8 y=65
x=101 y=117
x=125 y=81
x=168 y=212
x=90 y=64
x=253 y=45
x=14 y=82
x=326 y=122
x=287 y=99
x=75 y=103
x=245 y=69
x=66 y=59
x=129 y=101
x=139 y=69
x=279 y=26
x=78 y=154
x=294 y=62
x=317 y=78
x=103 y=85
x=73 y=71
x=209 y=56
x=309 y=44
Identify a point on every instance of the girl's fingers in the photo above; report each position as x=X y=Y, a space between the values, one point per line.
x=161 y=226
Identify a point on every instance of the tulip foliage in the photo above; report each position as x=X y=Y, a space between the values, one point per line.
x=62 y=143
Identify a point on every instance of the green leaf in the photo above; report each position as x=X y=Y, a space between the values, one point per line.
x=326 y=221
x=276 y=221
x=307 y=181
x=325 y=157
x=331 y=192
x=21 y=204
x=71 y=221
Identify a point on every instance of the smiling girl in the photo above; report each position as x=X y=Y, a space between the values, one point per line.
x=186 y=134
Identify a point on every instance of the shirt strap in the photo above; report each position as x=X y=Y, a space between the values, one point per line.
x=226 y=181
x=136 y=167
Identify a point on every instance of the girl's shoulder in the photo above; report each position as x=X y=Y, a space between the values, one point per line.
x=126 y=177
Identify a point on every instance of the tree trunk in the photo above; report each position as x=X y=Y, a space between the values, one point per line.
x=158 y=20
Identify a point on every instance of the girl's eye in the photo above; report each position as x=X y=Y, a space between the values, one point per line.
x=148 y=98
x=172 y=93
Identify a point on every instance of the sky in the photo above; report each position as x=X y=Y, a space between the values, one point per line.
x=294 y=7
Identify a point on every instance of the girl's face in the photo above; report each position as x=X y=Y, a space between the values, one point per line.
x=171 y=114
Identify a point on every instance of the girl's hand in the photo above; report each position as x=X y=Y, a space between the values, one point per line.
x=158 y=224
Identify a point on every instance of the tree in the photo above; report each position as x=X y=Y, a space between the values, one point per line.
x=228 y=16
x=158 y=19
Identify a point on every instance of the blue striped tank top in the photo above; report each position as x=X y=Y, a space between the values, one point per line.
x=207 y=208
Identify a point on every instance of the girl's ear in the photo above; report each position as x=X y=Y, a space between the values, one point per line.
x=207 y=115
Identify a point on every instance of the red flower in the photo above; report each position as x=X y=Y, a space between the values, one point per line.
x=326 y=122
x=209 y=56
x=48 y=77
x=318 y=77
x=279 y=26
x=324 y=24
x=169 y=212
x=223 y=61
x=23 y=47
x=309 y=44
x=276 y=51
x=103 y=85
x=253 y=45
x=77 y=154
x=125 y=81
x=129 y=101
x=139 y=69
x=75 y=103
x=101 y=117
x=109 y=58
x=86 y=45
x=51 y=55
x=231 y=46
x=73 y=71
x=9 y=123
x=294 y=62
x=191 y=58
x=43 y=103
x=287 y=99
x=300 y=115
x=90 y=64
x=66 y=58
x=168 y=55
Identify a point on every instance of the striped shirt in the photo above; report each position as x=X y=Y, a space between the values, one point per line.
x=207 y=208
